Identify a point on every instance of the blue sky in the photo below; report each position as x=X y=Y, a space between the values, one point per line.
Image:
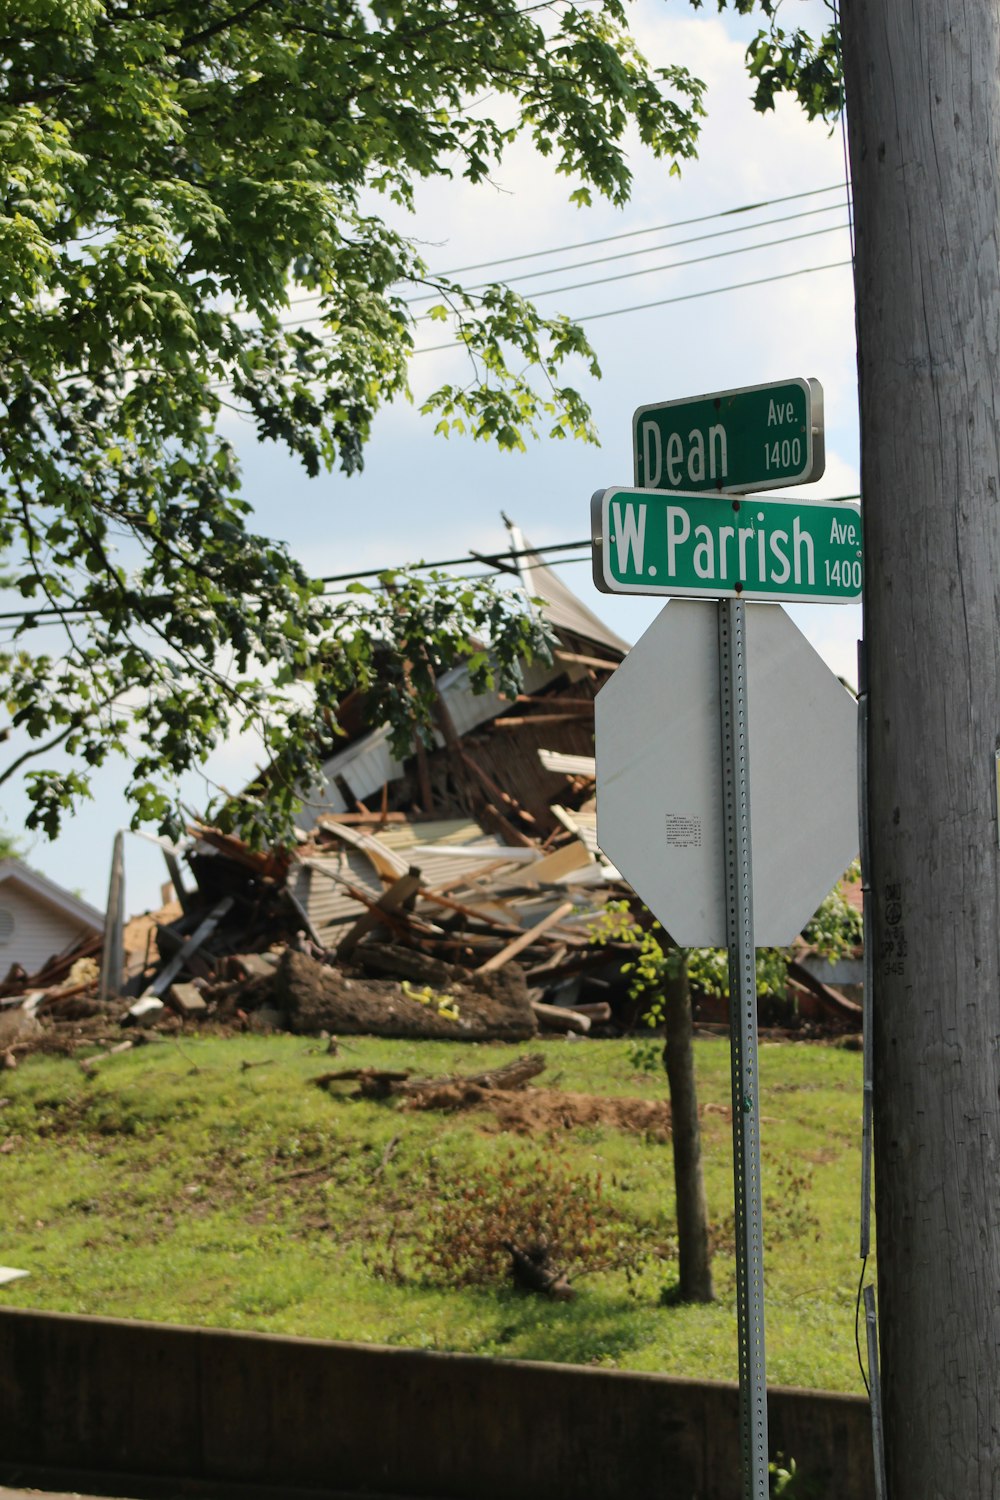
x=421 y=497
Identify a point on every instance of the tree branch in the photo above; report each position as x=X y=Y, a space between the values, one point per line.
x=194 y=38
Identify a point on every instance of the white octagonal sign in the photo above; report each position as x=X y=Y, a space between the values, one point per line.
x=659 y=774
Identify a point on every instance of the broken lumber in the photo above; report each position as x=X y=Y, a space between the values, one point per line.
x=474 y=914
x=527 y=938
x=848 y=1012
x=378 y=1083
x=597 y=1010
x=533 y=1271
x=393 y=901
x=520 y=721
x=373 y=1083
x=170 y=970
x=600 y=662
x=559 y=1018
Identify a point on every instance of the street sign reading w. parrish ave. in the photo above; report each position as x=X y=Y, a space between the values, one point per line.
x=657 y=542
x=757 y=437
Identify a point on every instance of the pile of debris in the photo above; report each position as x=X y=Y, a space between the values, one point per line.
x=448 y=892
x=358 y=931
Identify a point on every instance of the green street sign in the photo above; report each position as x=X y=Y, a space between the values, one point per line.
x=659 y=542
x=756 y=438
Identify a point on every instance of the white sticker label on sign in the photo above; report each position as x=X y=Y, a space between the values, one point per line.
x=683 y=831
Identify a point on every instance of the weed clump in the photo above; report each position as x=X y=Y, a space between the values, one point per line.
x=532 y=1219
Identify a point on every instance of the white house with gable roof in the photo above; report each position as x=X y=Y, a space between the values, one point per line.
x=39 y=919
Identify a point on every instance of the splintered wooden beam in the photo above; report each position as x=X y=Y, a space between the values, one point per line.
x=586 y=705
x=386 y=909
x=526 y=939
x=475 y=915
x=519 y=721
x=170 y=970
x=586 y=661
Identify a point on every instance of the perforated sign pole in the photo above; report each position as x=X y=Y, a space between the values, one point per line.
x=743 y=1034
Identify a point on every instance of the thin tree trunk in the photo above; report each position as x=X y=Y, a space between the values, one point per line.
x=694 y=1253
x=924 y=116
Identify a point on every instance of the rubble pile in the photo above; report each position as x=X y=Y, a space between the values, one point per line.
x=363 y=929
x=354 y=932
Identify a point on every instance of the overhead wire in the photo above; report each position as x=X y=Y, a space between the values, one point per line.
x=600 y=281
x=641 y=271
x=693 y=239
x=630 y=234
x=714 y=291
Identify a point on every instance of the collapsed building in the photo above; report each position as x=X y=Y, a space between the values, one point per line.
x=450 y=892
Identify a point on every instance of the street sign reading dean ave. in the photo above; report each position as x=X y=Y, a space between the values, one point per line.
x=755 y=438
x=709 y=546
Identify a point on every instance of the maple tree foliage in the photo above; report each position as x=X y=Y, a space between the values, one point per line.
x=175 y=173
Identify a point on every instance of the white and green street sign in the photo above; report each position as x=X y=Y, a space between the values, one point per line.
x=757 y=437
x=707 y=546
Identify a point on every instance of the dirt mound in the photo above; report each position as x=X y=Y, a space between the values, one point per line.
x=316 y=997
x=533 y=1111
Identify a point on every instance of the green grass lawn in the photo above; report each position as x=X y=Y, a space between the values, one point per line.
x=178 y=1184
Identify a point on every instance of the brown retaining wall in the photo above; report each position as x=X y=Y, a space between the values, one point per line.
x=83 y=1395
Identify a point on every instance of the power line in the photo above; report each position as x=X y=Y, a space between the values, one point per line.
x=625 y=255
x=586 y=555
x=79 y=612
x=510 y=555
x=694 y=239
x=714 y=291
x=674 y=265
x=609 y=239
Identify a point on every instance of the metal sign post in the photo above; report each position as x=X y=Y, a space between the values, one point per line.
x=670 y=536
x=743 y=1041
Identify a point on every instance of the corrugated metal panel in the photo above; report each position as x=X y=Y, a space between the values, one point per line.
x=468 y=709
x=365 y=766
x=403 y=836
x=442 y=869
x=325 y=899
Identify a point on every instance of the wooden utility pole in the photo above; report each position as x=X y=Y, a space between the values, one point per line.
x=923 y=101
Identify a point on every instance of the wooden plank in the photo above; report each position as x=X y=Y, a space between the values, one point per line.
x=586 y=661
x=326 y=820
x=386 y=907
x=469 y=911
x=519 y=721
x=113 y=955
x=552 y=867
x=170 y=971
x=527 y=938
x=552 y=701
x=558 y=1018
